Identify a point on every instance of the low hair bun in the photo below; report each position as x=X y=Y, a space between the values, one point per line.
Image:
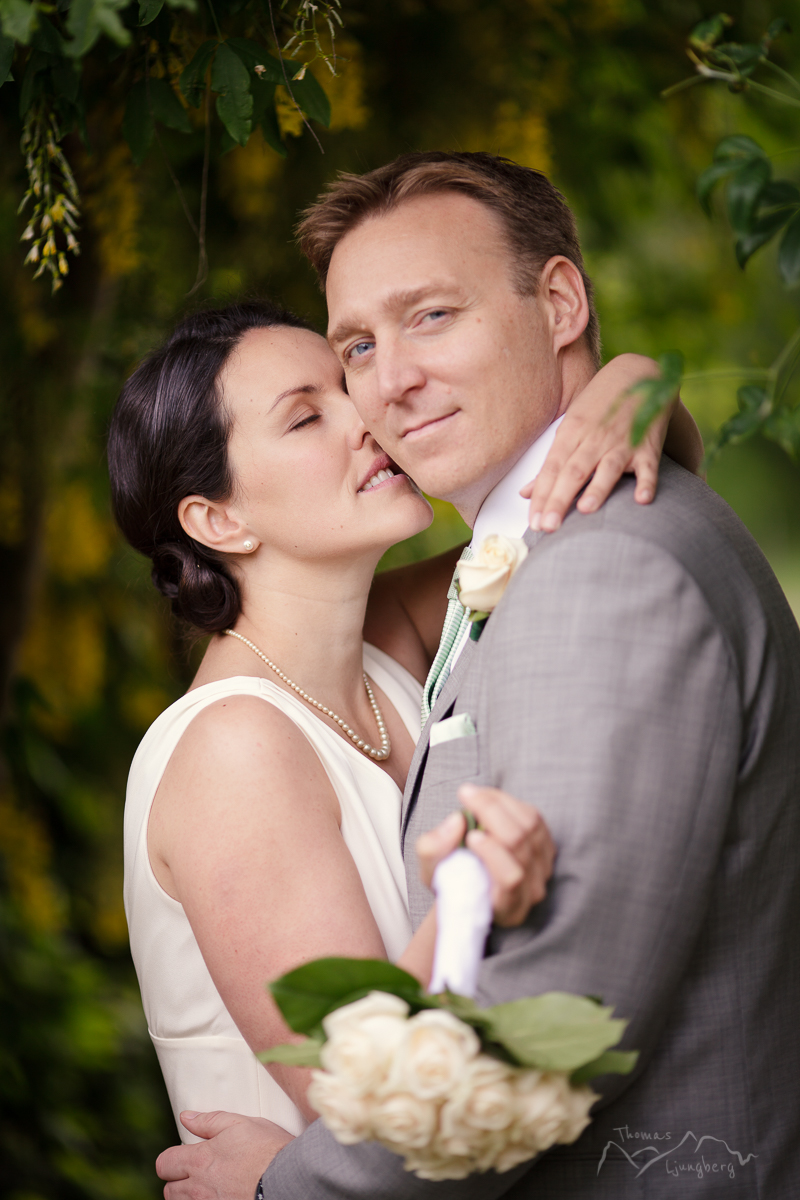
x=198 y=584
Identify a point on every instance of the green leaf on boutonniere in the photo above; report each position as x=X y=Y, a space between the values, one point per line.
x=304 y=1054
x=477 y=627
x=477 y=616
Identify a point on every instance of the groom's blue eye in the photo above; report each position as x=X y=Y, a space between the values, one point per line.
x=359 y=349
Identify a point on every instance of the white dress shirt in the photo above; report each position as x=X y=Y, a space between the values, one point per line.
x=504 y=510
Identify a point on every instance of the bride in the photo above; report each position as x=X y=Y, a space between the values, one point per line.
x=261 y=835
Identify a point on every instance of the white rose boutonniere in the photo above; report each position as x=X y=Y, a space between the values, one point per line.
x=483 y=579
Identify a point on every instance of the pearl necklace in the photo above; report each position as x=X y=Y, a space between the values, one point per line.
x=378 y=755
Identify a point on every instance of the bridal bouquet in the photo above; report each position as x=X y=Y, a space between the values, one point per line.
x=451 y=1087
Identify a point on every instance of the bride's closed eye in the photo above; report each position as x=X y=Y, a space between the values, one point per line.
x=305 y=421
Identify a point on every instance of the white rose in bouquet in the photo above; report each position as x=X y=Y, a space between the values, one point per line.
x=347 y=1115
x=483 y=579
x=549 y=1109
x=433 y=1056
x=484 y=1100
x=362 y=1039
x=401 y=1120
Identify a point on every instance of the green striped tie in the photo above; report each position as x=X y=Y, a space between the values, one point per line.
x=455 y=620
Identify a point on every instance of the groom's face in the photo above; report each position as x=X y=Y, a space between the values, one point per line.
x=453 y=371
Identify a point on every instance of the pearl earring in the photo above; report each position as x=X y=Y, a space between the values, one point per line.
x=248 y=545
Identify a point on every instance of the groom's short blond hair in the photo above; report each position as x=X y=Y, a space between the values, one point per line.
x=537 y=220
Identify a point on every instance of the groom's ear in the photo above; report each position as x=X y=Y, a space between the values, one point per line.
x=563 y=294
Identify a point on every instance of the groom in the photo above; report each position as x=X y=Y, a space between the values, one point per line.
x=639 y=682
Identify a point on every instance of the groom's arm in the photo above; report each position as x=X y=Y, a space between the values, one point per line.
x=613 y=705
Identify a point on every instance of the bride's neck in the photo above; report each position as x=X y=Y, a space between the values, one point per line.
x=308 y=619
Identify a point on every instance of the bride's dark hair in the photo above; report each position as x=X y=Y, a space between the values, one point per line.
x=169 y=439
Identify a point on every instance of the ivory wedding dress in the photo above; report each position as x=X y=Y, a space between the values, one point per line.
x=205 y=1061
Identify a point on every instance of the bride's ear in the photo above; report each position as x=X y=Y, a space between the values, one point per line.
x=215 y=525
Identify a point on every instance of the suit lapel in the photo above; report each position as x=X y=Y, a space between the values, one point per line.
x=446 y=699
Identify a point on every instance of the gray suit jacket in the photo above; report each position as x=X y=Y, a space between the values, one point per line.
x=640 y=683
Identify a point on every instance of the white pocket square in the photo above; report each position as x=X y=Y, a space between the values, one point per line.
x=459 y=726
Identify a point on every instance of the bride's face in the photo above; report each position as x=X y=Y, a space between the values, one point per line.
x=304 y=465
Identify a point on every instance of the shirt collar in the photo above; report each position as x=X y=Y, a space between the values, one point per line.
x=504 y=511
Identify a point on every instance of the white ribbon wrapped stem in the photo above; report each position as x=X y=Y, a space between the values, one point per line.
x=463 y=918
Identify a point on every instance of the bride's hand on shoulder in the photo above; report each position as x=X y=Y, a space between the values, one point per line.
x=593 y=443
x=513 y=842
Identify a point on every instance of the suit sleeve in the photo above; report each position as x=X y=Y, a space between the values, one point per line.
x=613 y=705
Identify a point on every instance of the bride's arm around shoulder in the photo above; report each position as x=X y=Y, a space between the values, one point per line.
x=245 y=833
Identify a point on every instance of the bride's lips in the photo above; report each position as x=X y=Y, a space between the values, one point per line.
x=381 y=463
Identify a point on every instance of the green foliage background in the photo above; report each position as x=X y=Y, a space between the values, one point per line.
x=570 y=86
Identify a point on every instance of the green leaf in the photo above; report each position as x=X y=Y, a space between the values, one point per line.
x=554 y=1032
x=711 y=176
x=47 y=38
x=66 y=79
x=737 y=146
x=777 y=27
x=137 y=124
x=708 y=32
x=271 y=131
x=744 y=192
x=6 y=58
x=291 y=1055
x=789 y=252
x=193 y=77
x=310 y=992
x=783 y=427
x=254 y=55
x=230 y=79
x=745 y=59
x=657 y=394
x=312 y=99
x=31 y=83
x=87 y=20
x=761 y=231
x=167 y=108
x=613 y=1062
x=149 y=10
x=18 y=20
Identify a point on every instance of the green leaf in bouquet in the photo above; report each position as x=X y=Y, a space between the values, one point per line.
x=290 y=1054
x=657 y=393
x=310 y=992
x=554 y=1032
x=613 y=1062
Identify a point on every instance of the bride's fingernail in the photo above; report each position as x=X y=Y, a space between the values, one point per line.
x=551 y=522
x=645 y=497
x=588 y=504
x=190 y=1116
x=536 y=522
